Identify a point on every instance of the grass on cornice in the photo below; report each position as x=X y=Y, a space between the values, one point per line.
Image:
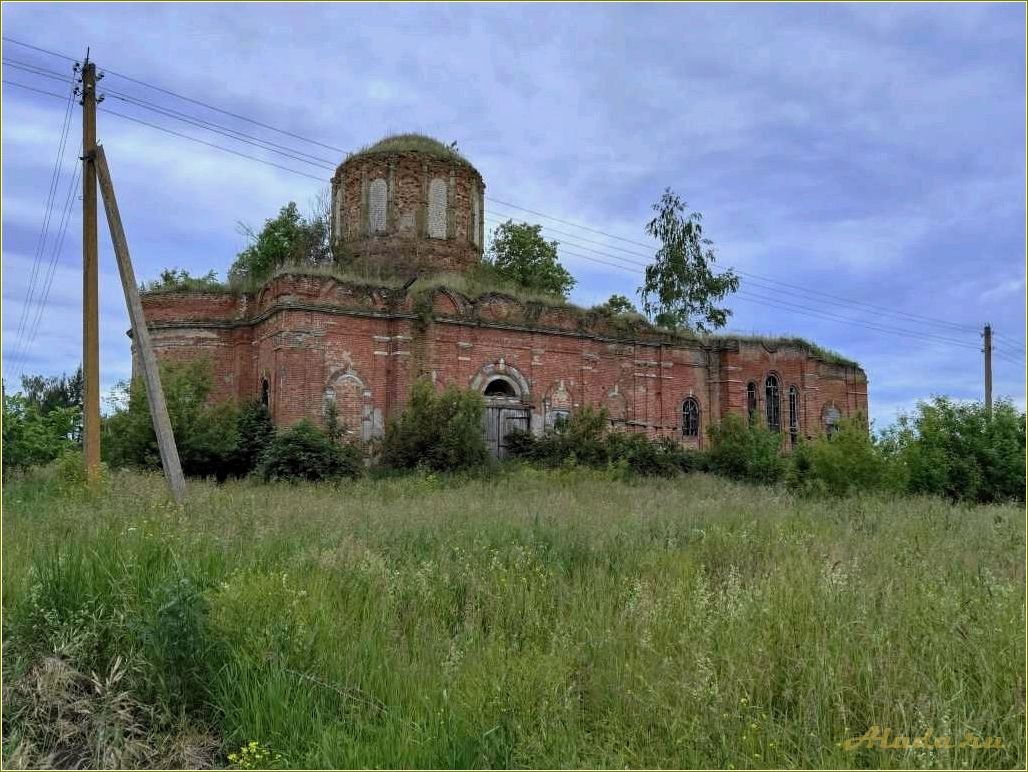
x=411 y=143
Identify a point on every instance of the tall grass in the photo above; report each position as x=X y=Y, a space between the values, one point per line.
x=541 y=619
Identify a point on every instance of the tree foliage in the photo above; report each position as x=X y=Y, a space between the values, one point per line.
x=32 y=436
x=953 y=449
x=519 y=254
x=618 y=306
x=207 y=434
x=289 y=238
x=680 y=287
x=745 y=451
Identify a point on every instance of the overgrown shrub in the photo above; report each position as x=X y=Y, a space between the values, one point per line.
x=953 y=449
x=305 y=452
x=33 y=435
x=745 y=451
x=254 y=433
x=437 y=430
x=206 y=434
x=585 y=439
x=847 y=462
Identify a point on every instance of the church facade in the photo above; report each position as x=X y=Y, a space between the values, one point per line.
x=303 y=341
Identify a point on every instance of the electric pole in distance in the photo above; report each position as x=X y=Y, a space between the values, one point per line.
x=987 y=334
x=90 y=279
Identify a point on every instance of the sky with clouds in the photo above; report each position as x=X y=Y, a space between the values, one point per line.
x=871 y=153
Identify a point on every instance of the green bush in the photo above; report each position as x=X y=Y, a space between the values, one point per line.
x=745 y=452
x=305 y=452
x=954 y=449
x=584 y=438
x=206 y=434
x=33 y=436
x=441 y=431
x=845 y=463
x=254 y=433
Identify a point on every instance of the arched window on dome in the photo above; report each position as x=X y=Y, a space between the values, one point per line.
x=691 y=418
x=773 y=403
x=475 y=217
x=437 y=209
x=378 y=200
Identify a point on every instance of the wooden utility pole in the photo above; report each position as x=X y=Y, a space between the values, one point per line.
x=987 y=334
x=141 y=335
x=90 y=280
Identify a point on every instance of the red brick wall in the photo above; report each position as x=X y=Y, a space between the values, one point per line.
x=309 y=334
x=405 y=245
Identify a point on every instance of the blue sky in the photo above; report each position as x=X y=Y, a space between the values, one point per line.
x=871 y=152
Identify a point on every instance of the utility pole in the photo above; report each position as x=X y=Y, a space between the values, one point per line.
x=987 y=334
x=90 y=279
x=141 y=335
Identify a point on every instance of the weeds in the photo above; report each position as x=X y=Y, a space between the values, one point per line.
x=539 y=618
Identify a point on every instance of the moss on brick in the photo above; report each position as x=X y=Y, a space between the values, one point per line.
x=411 y=143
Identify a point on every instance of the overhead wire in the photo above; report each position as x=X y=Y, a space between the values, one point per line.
x=311 y=159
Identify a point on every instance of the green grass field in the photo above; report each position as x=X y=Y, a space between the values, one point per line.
x=540 y=619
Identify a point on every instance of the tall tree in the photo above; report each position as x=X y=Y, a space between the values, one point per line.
x=681 y=288
x=519 y=254
x=289 y=238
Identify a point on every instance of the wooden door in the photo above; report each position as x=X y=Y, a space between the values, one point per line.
x=499 y=421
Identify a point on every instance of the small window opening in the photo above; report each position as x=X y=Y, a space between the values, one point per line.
x=265 y=392
x=690 y=418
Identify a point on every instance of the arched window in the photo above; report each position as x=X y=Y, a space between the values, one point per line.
x=378 y=196
x=773 y=405
x=265 y=392
x=437 y=209
x=751 y=401
x=830 y=416
x=794 y=414
x=690 y=418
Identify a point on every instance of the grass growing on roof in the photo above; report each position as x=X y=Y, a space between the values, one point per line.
x=411 y=142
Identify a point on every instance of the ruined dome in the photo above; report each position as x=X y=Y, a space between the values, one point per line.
x=409 y=203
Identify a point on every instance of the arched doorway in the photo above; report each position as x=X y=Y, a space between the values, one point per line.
x=505 y=409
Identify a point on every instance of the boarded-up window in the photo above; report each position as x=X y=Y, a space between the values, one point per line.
x=475 y=215
x=377 y=201
x=437 y=209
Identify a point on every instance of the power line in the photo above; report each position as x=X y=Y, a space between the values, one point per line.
x=917 y=318
x=185 y=98
x=214 y=127
x=40 y=249
x=52 y=268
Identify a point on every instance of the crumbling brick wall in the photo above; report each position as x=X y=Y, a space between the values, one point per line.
x=313 y=339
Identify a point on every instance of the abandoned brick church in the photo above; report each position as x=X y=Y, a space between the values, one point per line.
x=304 y=340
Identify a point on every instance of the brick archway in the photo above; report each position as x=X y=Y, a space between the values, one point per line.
x=502 y=371
x=352 y=399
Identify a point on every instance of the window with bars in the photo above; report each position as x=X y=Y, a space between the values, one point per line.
x=691 y=418
x=751 y=401
x=794 y=414
x=773 y=404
